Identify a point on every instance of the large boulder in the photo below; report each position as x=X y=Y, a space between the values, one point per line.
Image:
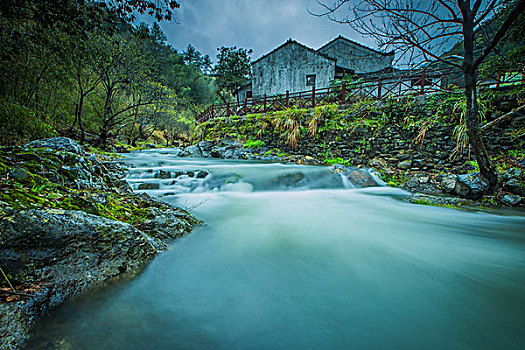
x=58 y=144
x=55 y=254
x=357 y=177
x=166 y=224
x=192 y=151
x=513 y=182
x=61 y=161
x=205 y=147
x=71 y=252
x=470 y=186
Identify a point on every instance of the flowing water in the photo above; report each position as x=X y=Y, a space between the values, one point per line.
x=294 y=257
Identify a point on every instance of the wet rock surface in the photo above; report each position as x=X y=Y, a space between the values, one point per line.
x=68 y=222
x=358 y=177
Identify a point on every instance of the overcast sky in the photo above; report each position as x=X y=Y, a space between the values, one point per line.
x=260 y=25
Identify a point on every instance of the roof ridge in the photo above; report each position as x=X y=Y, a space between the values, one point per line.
x=358 y=44
x=292 y=41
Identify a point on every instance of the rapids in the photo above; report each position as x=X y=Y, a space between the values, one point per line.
x=296 y=257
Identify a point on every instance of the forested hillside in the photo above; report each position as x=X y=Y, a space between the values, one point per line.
x=83 y=69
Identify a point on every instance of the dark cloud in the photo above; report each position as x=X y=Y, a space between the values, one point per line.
x=255 y=24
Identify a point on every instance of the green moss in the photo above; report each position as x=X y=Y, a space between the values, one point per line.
x=426 y=201
x=254 y=144
x=337 y=160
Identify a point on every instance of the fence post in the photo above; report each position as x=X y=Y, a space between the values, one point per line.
x=446 y=82
x=287 y=98
x=264 y=103
x=498 y=79
x=343 y=92
x=245 y=103
x=313 y=96
x=212 y=115
x=422 y=91
x=228 y=108
x=379 y=84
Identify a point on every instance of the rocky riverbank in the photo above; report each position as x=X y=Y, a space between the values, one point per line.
x=68 y=222
x=455 y=186
x=415 y=143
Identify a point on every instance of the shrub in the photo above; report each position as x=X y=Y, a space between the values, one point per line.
x=19 y=124
x=254 y=144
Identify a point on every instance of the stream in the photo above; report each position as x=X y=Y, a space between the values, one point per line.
x=298 y=257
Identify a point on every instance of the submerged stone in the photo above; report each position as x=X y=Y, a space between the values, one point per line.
x=149 y=186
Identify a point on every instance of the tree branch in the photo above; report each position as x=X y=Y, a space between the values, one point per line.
x=520 y=7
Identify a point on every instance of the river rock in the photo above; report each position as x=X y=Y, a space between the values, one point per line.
x=287 y=180
x=448 y=183
x=63 y=161
x=59 y=144
x=426 y=199
x=71 y=252
x=19 y=174
x=192 y=151
x=357 y=177
x=216 y=181
x=470 y=186
x=162 y=174
x=380 y=163
x=361 y=178
x=511 y=199
x=166 y=224
x=515 y=186
x=148 y=186
x=205 y=147
x=405 y=165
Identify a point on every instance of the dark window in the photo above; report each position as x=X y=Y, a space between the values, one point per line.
x=249 y=94
x=310 y=80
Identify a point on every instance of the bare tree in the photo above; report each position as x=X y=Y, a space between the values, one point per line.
x=422 y=30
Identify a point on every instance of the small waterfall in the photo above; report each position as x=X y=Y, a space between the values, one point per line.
x=246 y=177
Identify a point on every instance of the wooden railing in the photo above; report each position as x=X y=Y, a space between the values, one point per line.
x=391 y=85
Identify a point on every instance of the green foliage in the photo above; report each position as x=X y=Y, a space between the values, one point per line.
x=460 y=130
x=254 y=144
x=474 y=165
x=275 y=151
x=193 y=57
x=94 y=74
x=288 y=124
x=19 y=124
x=393 y=179
x=233 y=69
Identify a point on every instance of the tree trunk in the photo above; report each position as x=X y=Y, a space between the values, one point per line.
x=78 y=117
x=104 y=130
x=486 y=168
x=487 y=171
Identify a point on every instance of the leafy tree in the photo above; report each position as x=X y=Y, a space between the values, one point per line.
x=52 y=12
x=233 y=69
x=195 y=58
x=422 y=31
x=81 y=65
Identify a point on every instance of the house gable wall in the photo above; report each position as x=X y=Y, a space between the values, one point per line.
x=356 y=57
x=286 y=68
